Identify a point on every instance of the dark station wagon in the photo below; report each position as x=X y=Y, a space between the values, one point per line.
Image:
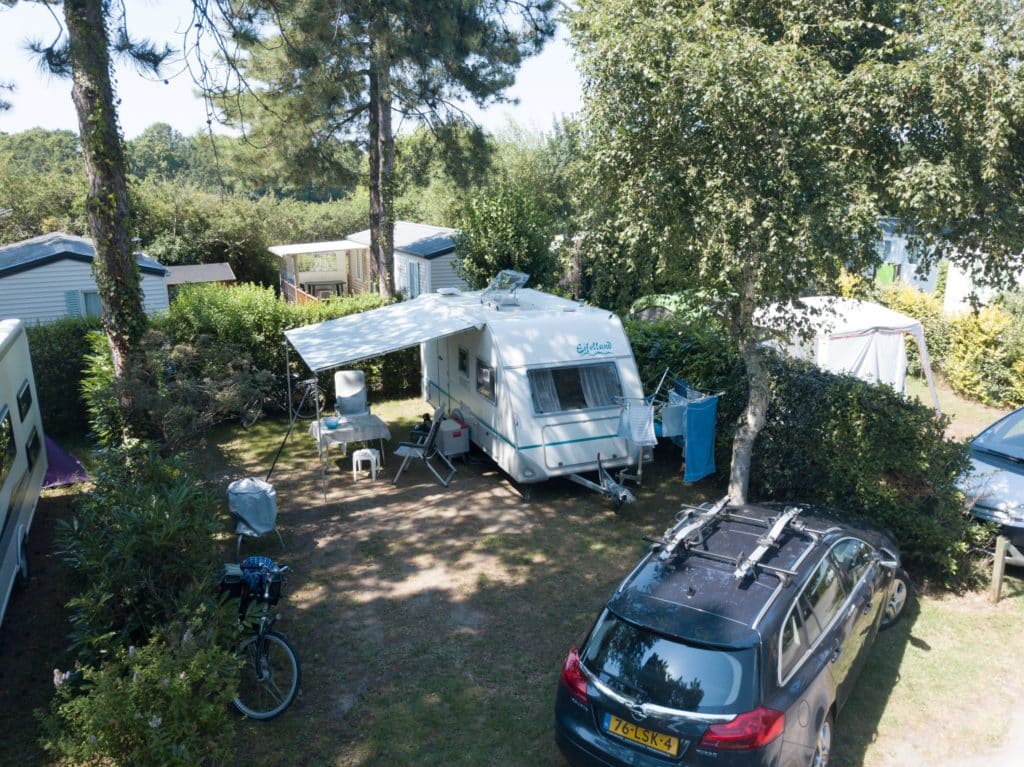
x=735 y=641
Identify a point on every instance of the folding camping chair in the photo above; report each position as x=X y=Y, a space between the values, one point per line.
x=425 y=451
x=350 y=392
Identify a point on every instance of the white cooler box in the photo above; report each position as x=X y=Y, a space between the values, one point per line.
x=454 y=437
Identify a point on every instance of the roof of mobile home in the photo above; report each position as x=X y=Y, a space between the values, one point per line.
x=535 y=326
x=421 y=240
x=57 y=246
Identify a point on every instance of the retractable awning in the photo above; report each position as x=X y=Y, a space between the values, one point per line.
x=356 y=337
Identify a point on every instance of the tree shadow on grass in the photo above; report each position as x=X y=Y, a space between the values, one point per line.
x=857 y=726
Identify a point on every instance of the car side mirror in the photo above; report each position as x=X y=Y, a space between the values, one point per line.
x=887 y=559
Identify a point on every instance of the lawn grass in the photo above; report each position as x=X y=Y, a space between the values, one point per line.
x=968 y=418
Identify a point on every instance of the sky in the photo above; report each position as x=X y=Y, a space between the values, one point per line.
x=546 y=88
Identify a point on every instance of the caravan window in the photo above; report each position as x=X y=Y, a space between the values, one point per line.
x=33 y=448
x=24 y=400
x=8 y=448
x=578 y=387
x=485 y=380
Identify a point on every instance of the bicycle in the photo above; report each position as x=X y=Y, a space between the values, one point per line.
x=270 y=673
x=302 y=401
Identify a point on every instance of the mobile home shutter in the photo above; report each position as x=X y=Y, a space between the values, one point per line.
x=73 y=303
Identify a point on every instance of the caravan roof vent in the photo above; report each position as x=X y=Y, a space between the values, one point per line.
x=502 y=290
x=449 y=291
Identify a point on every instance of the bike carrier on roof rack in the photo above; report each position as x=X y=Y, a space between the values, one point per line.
x=767 y=541
x=691 y=522
x=688 y=534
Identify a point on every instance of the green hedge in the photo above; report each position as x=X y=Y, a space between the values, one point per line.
x=843 y=443
x=986 y=355
x=831 y=440
x=59 y=352
x=254 y=319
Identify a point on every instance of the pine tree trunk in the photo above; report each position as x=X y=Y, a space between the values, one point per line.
x=114 y=266
x=387 y=181
x=382 y=158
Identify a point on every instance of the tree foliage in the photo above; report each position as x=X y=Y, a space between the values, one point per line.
x=750 y=148
x=337 y=71
x=503 y=228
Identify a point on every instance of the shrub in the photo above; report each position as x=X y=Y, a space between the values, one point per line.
x=140 y=544
x=59 y=352
x=254 y=319
x=98 y=392
x=986 y=356
x=843 y=443
x=162 y=703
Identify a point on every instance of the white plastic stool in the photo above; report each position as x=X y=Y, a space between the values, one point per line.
x=365 y=454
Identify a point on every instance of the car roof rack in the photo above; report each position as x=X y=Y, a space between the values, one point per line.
x=688 y=535
x=692 y=522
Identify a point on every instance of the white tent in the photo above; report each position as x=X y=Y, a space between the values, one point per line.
x=859 y=338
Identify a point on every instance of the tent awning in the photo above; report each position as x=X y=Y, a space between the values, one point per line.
x=356 y=337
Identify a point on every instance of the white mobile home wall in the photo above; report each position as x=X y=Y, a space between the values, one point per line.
x=529 y=446
x=435 y=273
x=41 y=294
x=22 y=453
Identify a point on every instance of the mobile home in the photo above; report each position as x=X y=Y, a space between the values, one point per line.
x=540 y=380
x=22 y=457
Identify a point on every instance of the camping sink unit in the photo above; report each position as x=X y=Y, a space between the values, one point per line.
x=22 y=457
x=540 y=380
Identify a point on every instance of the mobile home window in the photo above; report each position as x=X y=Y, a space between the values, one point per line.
x=576 y=387
x=463 y=362
x=91 y=302
x=414 y=279
x=24 y=400
x=8 y=448
x=485 y=380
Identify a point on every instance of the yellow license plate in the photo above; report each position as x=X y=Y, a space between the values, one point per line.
x=666 y=744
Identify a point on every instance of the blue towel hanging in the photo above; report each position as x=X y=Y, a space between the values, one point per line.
x=699 y=452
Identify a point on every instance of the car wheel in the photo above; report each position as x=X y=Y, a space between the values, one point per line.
x=899 y=595
x=823 y=748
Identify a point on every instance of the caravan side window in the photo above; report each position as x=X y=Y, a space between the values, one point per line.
x=24 y=399
x=8 y=448
x=33 y=448
x=577 y=387
x=485 y=380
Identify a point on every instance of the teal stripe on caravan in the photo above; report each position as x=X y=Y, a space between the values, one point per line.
x=503 y=438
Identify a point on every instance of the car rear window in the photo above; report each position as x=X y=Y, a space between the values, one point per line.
x=652 y=668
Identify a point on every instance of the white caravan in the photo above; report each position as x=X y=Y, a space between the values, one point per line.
x=541 y=380
x=22 y=455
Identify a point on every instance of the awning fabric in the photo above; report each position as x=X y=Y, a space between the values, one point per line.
x=356 y=337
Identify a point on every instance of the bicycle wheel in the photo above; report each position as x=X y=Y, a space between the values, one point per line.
x=269 y=678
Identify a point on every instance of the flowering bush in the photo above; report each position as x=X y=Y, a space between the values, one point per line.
x=164 y=703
